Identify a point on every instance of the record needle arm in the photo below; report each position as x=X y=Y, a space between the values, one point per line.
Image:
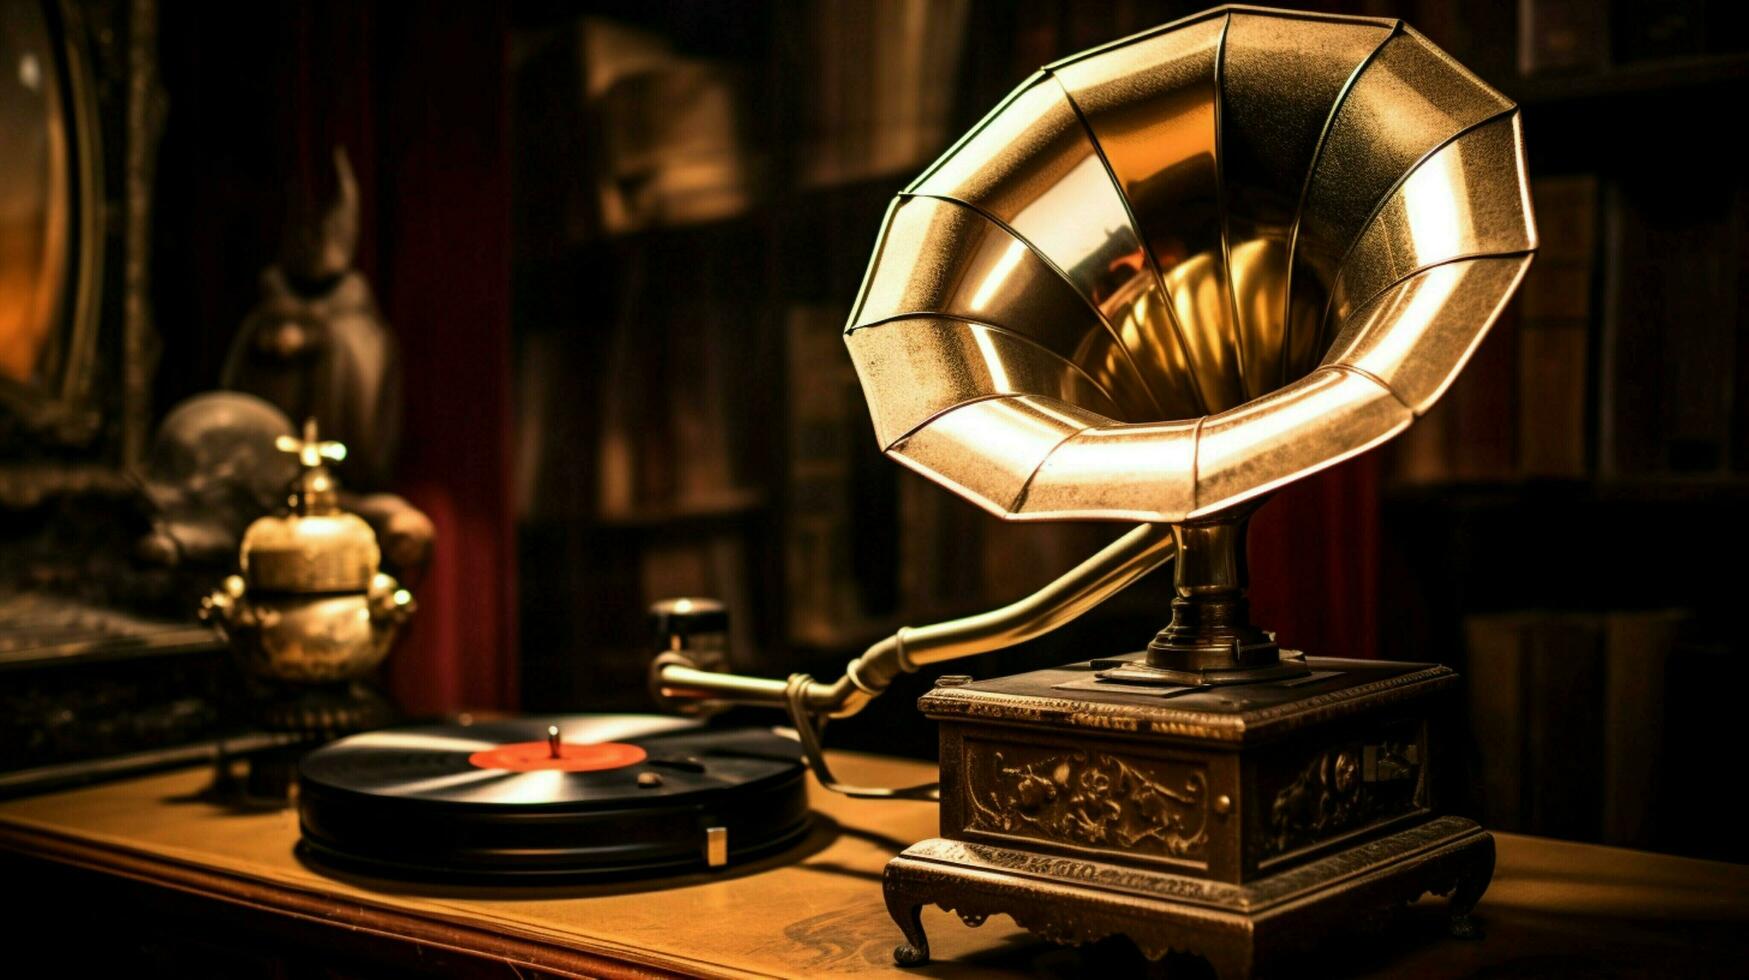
x=676 y=677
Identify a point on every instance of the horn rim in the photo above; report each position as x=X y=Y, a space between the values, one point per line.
x=1027 y=451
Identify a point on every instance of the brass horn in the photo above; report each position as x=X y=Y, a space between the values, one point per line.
x=1169 y=275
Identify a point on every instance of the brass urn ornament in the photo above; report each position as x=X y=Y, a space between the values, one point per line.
x=1162 y=279
x=310 y=613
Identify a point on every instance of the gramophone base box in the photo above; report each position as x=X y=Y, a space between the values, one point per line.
x=1236 y=823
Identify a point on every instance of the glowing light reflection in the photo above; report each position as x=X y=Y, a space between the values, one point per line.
x=1435 y=201
x=991 y=287
x=540 y=786
x=419 y=742
x=1419 y=307
x=999 y=379
x=454 y=780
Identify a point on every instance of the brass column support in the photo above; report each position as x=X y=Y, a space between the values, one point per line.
x=1211 y=623
x=1211 y=639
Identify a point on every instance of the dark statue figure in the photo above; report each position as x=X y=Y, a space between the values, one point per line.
x=316 y=346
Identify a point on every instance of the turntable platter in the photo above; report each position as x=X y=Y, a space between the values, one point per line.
x=622 y=795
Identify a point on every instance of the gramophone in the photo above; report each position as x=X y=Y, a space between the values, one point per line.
x=1161 y=279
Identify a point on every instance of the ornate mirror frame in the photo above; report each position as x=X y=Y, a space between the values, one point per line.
x=83 y=429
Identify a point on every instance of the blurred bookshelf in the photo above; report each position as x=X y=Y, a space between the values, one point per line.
x=1562 y=526
x=698 y=187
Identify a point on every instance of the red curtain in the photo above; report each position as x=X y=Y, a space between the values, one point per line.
x=443 y=209
x=1314 y=552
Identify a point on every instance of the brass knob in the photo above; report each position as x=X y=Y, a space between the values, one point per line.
x=694 y=631
x=690 y=623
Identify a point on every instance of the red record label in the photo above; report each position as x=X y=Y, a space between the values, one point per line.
x=573 y=757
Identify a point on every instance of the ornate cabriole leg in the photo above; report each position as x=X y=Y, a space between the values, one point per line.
x=906 y=908
x=1472 y=882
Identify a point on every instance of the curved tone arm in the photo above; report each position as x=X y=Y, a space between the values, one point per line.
x=1088 y=584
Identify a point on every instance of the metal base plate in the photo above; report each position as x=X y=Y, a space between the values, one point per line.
x=1237 y=928
x=1139 y=671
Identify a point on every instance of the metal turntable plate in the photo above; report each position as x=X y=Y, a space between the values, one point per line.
x=428 y=801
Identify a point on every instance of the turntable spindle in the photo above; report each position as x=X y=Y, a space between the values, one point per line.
x=553 y=740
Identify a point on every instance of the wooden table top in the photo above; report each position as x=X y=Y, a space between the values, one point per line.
x=1554 y=907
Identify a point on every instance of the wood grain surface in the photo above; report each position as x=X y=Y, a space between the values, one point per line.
x=1555 y=908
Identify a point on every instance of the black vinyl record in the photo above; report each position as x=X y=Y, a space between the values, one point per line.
x=628 y=795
